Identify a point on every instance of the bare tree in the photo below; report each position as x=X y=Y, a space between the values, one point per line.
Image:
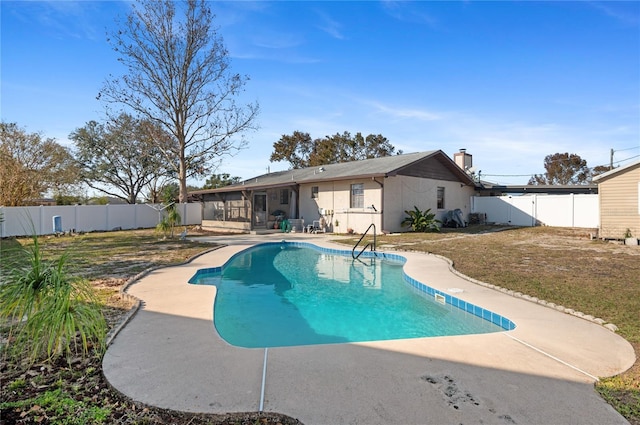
x=179 y=77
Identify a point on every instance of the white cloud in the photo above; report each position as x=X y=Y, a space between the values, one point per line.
x=410 y=12
x=63 y=19
x=271 y=39
x=330 y=26
x=625 y=12
x=404 y=113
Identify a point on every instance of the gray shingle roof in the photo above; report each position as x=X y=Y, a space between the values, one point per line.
x=383 y=166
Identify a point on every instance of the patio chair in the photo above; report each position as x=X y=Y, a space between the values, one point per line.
x=319 y=226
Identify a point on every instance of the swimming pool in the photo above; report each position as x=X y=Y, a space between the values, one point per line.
x=293 y=293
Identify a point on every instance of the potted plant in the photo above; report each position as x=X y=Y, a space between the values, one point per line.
x=629 y=239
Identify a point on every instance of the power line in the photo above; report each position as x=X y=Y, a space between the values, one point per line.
x=611 y=161
x=507 y=175
x=611 y=156
x=559 y=160
x=627 y=149
x=619 y=161
x=626 y=159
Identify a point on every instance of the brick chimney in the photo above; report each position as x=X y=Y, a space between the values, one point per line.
x=463 y=159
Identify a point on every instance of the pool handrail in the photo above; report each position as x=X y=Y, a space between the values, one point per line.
x=373 y=247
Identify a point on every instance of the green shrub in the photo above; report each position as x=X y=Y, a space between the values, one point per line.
x=421 y=221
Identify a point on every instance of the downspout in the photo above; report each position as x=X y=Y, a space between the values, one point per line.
x=296 y=189
x=381 y=202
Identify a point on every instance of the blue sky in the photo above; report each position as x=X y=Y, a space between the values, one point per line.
x=509 y=81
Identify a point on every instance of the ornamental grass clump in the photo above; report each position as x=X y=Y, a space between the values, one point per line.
x=49 y=312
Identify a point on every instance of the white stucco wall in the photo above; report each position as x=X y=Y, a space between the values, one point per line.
x=404 y=193
x=400 y=193
x=334 y=199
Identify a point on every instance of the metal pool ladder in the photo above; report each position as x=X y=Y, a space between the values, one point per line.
x=373 y=246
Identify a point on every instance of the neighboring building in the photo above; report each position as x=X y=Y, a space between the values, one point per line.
x=619 y=192
x=45 y=202
x=493 y=189
x=339 y=197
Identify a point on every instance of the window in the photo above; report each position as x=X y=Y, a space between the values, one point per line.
x=284 y=197
x=440 y=198
x=314 y=192
x=357 y=195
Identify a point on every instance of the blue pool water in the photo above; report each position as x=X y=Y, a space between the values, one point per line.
x=285 y=294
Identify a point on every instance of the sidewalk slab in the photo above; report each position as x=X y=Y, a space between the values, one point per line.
x=169 y=355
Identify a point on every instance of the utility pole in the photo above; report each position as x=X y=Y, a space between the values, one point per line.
x=611 y=160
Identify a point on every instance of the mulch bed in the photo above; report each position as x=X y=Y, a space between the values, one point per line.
x=78 y=387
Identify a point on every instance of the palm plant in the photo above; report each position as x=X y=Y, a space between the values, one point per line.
x=163 y=227
x=47 y=309
x=169 y=221
x=421 y=221
x=22 y=287
x=173 y=218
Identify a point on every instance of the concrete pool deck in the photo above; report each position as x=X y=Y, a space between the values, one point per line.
x=169 y=355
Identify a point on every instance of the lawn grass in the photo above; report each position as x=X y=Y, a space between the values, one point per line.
x=114 y=254
x=559 y=265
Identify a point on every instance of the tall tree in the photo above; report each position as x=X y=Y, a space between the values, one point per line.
x=169 y=193
x=301 y=151
x=120 y=158
x=294 y=149
x=153 y=192
x=31 y=166
x=562 y=169
x=599 y=169
x=376 y=145
x=179 y=77
x=220 y=180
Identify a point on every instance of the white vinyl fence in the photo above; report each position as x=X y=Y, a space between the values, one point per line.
x=540 y=210
x=23 y=221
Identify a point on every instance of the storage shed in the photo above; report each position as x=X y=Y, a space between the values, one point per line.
x=619 y=193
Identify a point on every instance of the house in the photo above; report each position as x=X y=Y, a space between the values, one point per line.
x=619 y=193
x=340 y=197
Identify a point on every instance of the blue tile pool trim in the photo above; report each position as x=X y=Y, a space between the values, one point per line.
x=468 y=307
